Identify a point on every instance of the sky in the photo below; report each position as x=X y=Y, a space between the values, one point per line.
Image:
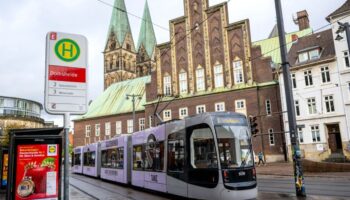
x=24 y=24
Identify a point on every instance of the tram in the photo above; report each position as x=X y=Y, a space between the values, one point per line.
x=77 y=165
x=207 y=156
x=116 y=158
x=92 y=160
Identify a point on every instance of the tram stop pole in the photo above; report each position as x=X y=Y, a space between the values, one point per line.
x=66 y=155
x=298 y=171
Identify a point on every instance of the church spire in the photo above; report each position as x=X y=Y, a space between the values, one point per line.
x=119 y=26
x=147 y=38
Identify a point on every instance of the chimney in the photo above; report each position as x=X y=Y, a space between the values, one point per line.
x=303 y=20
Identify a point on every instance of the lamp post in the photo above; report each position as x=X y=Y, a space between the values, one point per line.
x=133 y=98
x=298 y=172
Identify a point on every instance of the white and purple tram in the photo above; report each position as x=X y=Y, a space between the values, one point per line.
x=207 y=156
x=116 y=158
x=92 y=159
x=78 y=160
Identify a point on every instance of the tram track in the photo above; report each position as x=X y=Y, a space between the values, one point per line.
x=77 y=188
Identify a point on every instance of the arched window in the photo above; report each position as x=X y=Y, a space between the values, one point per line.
x=200 y=79
x=167 y=85
x=238 y=71
x=183 y=81
x=219 y=76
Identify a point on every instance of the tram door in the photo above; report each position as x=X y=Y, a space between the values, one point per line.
x=203 y=175
x=176 y=168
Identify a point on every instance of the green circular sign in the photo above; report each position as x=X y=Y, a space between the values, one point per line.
x=67 y=50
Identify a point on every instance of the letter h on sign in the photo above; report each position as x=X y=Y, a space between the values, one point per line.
x=69 y=50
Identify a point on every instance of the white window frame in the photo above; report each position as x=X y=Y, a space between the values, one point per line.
x=200 y=80
x=183 y=82
x=349 y=91
x=300 y=135
x=220 y=107
x=328 y=103
x=141 y=124
x=200 y=109
x=150 y=121
x=268 y=107
x=108 y=128
x=315 y=56
x=311 y=105
x=308 y=78
x=294 y=80
x=97 y=130
x=183 y=112
x=167 y=85
x=167 y=115
x=218 y=76
x=272 y=141
x=315 y=133
x=325 y=74
x=118 y=127
x=238 y=71
x=303 y=57
x=346 y=59
x=87 y=130
x=239 y=107
x=130 y=126
x=297 y=107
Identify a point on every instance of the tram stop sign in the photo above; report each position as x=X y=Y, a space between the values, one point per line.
x=66 y=73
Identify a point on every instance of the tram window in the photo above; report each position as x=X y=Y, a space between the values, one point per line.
x=89 y=159
x=176 y=155
x=113 y=158
x=154 y=159
x=76 y=159
x=138 y=163
x=203 y=152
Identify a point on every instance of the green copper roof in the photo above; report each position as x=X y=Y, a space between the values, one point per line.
x=119 y=23
x=113 y=100
x=147 y=37
x=270 y=46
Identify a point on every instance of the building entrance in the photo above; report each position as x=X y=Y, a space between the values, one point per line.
x=334 y=138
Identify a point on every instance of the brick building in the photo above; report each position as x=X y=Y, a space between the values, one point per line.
x=210 y=65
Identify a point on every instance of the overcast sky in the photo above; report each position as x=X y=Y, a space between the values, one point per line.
x=24 y=24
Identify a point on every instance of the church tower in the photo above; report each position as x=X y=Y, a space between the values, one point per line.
x=119 y=53
x=146 y=45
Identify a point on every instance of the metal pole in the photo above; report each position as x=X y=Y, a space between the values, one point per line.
x=133 y=112
x=66 y=155
x=298 y=172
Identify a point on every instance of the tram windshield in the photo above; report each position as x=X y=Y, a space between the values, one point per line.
x=234 y=146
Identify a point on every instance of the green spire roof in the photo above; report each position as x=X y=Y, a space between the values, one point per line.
x=113 y=100
x=119 y=23
x=147 y=37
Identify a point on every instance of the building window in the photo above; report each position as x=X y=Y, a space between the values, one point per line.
x=303 y=57
x=240 y=106
x=238 y=72
x=325 y=75
x=118 y=127
x=183 y=82
x=300 y=135
x=141 y=124
x=311 y=104
x=200 y=109
x=349 y=89
x=268 y=106
x=167 y=115
x=314 y=54
x=97 y=130
x=315 y=131
x=1 y=102
x=108 y=128
x=219 y=76
x=167 y=85
x=308 y=78
x=183 y=112
x=329 y=101
x=200 y=79
x=130 y=125
x=346 y=59
x=297 y=107
x=220 y=107
x=294 y=81
x=271 y=137
x=310 y=55
x=87 y=131
x=150 y=121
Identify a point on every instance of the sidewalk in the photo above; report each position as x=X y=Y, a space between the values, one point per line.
x=286 y=169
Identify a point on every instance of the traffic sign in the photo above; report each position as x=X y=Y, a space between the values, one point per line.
x=66 y=73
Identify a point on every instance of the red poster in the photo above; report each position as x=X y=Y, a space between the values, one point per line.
x=37 y=172
x=69 y=74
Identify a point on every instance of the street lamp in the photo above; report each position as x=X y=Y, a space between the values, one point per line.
x=133 y=98
x=343 y=27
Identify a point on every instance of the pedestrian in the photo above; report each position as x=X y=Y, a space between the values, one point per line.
x=261 y=158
